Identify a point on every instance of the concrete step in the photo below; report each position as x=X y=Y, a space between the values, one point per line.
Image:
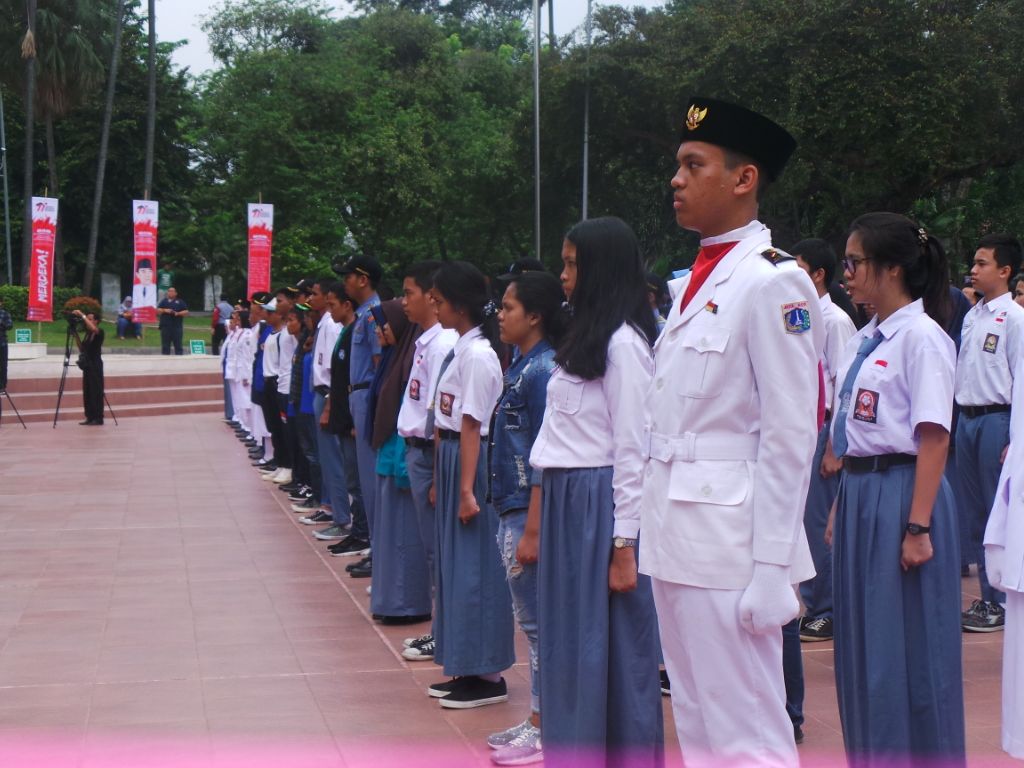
x=152 y=381
x=71 y=410
x=43 y=400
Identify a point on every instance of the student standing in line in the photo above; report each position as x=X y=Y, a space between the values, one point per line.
x=401 y=579
x=415 y=423
x=990 y=352
x=532 y=320
x=895 y=555
x=597 y=630
x=473 y=629
x=818 y=260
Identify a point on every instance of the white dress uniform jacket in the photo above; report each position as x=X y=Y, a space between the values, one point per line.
x=1006 y=521
x=732 y=422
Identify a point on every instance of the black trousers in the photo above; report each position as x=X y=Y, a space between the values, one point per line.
x=272 y=415
x=3 y=366
x=219 y=334
x=169 y=336
x=290 y=438
x=92 y=390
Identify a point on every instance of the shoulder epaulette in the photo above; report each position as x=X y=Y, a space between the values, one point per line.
x=776 y=256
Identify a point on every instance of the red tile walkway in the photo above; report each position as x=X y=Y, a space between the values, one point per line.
x=153 y=588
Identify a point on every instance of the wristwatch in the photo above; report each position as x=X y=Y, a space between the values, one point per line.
x=622 y=543
x=916 y=530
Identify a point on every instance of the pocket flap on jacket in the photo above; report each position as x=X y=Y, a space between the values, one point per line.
x=704 y=483
x=708 y=340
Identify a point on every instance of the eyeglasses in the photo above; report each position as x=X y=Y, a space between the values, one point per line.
x=850 y=265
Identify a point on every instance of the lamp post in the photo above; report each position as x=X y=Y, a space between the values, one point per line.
x=7 y=205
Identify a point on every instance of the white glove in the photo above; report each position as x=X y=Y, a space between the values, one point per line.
x=769 y=601
x=994 y=556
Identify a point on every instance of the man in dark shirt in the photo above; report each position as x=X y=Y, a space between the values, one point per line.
x=5 y=325
x=172 y=311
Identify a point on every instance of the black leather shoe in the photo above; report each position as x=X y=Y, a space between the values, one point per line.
x=86 y=423
x=362 y=570
x=358 y=564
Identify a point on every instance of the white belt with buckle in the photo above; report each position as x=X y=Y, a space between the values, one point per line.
x=693 y=446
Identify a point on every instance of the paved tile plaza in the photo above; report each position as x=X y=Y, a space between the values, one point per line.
x=158 y=602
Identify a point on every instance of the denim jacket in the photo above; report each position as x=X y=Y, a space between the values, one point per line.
x=516 y=424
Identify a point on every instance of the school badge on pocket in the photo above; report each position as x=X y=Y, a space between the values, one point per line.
x=866 y=406
x=446 y=403
x=796 y=317
x=991 y=343
x=414 y=389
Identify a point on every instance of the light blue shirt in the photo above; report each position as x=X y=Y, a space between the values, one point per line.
x=365 y=345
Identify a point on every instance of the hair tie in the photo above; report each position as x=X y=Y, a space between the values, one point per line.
x=567 y=307
x=490 y=309
x=922 y=236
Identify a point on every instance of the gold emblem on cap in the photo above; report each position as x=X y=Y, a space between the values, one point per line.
x=695 y=116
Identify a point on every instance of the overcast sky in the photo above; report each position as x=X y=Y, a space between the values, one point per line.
x=181 y=19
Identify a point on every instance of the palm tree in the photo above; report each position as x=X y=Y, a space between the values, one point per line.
x=101 y=166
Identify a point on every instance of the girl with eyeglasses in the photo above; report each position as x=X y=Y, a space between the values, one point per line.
x=896 y=575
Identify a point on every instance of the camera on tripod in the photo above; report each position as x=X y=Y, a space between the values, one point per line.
x=74 y=320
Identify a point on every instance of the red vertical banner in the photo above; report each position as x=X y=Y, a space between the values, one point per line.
x=261 y=236
x=145 y=226
x=40 y=277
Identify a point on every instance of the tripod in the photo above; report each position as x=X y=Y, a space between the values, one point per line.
x=5 y=393
x=73 y=334
x=3 y=382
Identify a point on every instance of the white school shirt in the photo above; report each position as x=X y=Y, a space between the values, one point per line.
x=286 y=344
x=271 y=361
x=989 y=352
x=326 y=338
x=906 y=381
x=838 y=330
x=1005 y=526
x=432 y=347
x=600 y=423
x=471 y=384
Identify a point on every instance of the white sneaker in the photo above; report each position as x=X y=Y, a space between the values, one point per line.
x=369 y=589
x=271 y=475
x=283 y=476
x=411 y=641
x=506 y=737
x=522 y=750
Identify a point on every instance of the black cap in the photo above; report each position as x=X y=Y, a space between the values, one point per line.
x=290 y=291
x=260 y=298
x=655 y=283
x=737 y=128
x=145 y=264
x=305 y=286
x=519 y=266
x=361 y=264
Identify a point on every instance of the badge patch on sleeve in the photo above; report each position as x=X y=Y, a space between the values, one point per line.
x=447 y=401
x=414 y=389
x=796 y=317
x=866 y=406
x=991 y=343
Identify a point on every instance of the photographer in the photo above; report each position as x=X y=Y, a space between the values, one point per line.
x=5 y=325
x=91 y=364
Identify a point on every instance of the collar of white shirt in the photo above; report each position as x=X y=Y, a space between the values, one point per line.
x=999 y=302
x=428 y=335
x=825 y=302
x=468 y=338
x=892 y=324
x=735 y=235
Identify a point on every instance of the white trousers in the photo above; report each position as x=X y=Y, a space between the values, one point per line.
x=728 y=692
x=241 y=404
x=1013 y=676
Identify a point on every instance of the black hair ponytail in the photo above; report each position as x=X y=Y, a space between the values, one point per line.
x=465 y=287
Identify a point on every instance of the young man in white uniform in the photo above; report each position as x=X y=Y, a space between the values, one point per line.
x=724 y=488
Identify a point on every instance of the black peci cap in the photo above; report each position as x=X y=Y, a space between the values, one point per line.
x=305 y=286
x=739 y=129
x=260 y=298
x=519 y=266
x=290 y=291
x=361 y=264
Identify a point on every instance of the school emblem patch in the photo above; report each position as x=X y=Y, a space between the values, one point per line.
x=796 y=317
x=446 y=402
x=695 y=116
x=991 y=343
x=414 y=389
x=866 y=406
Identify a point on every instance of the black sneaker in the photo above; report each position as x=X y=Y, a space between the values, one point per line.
x=301 y=494
x=815 y=630
x=363 y=570
x=798 y=734
x=475 y=692
x=421 y=651
x=983 y=617
x=317 y=518
x=361 y=564
x=348 y=547
x=409 y=642
x=440 y=690
x=289 y=488
x=666 y=684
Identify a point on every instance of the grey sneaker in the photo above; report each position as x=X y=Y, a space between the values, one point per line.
x=334 y=533
x=522 y=750
x=983 y=617
x=504 y=738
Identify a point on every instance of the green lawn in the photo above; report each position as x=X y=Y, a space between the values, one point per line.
x=54 y=334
